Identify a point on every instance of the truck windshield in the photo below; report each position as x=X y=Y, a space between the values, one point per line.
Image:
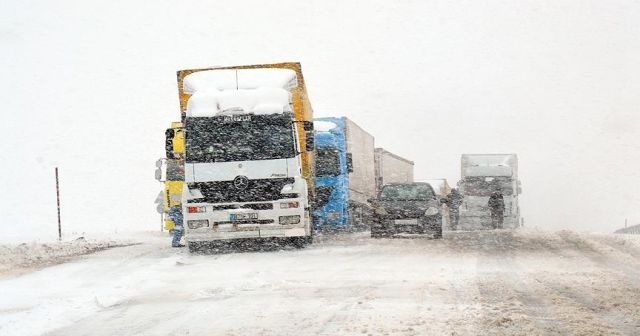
x=239 y=138
x=484 y=186
x=406 y=192
x=327 y=162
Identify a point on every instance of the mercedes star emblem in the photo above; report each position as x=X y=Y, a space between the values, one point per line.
x=241 y=182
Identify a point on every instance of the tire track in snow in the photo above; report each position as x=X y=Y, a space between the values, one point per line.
x=519 y=308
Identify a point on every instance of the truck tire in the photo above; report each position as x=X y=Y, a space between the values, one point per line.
x=437 y=234
x=436 y=228
x=301 y=242
x=379 y=233
x=193 y=247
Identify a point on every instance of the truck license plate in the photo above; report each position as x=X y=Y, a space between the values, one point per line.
x=243 y=216
x=407 y=221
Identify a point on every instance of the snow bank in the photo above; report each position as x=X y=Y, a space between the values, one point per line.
x=14 y=258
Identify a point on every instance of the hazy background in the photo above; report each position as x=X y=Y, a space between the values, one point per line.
x=89 y=86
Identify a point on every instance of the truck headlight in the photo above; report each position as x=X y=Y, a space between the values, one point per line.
x=285 y=220
x=431 y=211
x=196 y=224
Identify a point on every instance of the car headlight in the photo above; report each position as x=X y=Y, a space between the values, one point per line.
x=380 y=211
x=431 y=211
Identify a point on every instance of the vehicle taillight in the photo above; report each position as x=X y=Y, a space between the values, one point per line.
x=287 y=205
x=196 y=209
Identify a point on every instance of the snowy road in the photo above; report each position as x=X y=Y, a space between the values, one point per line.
x=470 y=283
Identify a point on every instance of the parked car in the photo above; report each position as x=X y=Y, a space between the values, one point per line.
x=406 y=208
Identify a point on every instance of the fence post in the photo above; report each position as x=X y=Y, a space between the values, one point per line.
x=58 y=199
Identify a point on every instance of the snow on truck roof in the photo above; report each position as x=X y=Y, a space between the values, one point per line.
x=324 y=126
x=235 y=91
x=263 y=100
x=238 y=79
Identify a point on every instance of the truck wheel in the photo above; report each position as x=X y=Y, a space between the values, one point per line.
x=379 y=233
x=301 y=242
x=193 y=247
x=436 y=228
x=438 y=232
x=375 y=234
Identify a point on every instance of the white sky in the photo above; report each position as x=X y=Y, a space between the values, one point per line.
x=90 y=86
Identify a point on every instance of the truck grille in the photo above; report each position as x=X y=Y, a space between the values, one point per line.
x=257 y=191
x=251 y=221
x=254 y=206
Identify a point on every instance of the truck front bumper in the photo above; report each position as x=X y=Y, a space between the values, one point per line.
x=263 y=224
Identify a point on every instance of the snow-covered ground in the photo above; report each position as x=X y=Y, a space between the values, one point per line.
x=470 y=283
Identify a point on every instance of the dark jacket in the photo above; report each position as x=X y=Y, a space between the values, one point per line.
x=496 y=202
x=453 y=200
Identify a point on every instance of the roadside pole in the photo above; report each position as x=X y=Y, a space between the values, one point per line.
x=58 y=198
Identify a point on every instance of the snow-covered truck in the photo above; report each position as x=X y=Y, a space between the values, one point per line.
x=345 y=176
x=481 y=175
x=249 y=163
x=391 y=168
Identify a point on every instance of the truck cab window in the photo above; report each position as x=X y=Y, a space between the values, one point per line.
x=327 y=162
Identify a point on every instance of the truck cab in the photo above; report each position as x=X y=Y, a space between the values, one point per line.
x=345 y=174
x=244 y=167
x=333 y=165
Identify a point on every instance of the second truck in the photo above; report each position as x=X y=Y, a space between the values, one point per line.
x=345 y=174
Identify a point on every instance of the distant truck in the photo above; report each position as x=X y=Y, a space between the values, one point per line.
x=391 y=168
x=345 y=174
x=482 y=174
x=249 y=163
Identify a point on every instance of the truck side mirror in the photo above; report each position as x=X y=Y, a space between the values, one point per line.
x=307 y=125
x=309 y=142
x=161 y=170
x=309 y=136
x=168 y=143
x=349 y=162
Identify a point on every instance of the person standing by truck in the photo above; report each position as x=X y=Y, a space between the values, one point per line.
x=175 y=213
x=453 y=202
x=496 y=207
